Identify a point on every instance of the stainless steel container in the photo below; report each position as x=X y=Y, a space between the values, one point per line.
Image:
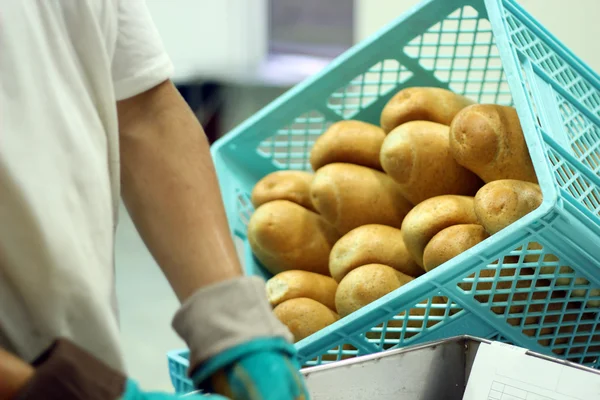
x=432 y=371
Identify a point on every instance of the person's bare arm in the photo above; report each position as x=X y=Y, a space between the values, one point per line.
x=171 y=191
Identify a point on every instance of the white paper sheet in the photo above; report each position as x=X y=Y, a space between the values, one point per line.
x=503 y=372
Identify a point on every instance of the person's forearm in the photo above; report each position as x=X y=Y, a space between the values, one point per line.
x=14 y=375
x=171 y=191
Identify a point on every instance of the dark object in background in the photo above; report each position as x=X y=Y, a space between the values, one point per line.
x=205 y=100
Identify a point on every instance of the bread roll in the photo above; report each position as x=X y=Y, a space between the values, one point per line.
x=284 y=185
x=488 y=140
x=286 y=236
x=303 y=316
x=353 y=142
x=422 y=103
x=349 y=196
x=500 y=203
x=371 y=244
x=366 y=284
x=296 y=283
x=450 y=242
x=417 y=156
x=431 y=216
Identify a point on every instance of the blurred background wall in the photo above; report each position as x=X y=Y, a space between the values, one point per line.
x=232 y=57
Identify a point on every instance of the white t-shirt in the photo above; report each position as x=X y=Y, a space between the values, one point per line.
x=63 y=66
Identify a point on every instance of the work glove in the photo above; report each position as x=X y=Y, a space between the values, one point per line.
x=238 y=348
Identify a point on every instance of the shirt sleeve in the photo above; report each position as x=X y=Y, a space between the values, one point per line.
x=140 y=61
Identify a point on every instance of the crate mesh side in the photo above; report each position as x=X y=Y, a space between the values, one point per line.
x=536 y=293
x=530 y=45
x=340 y=352
x=582 y=142
x=366 y=88
x=583 y=134
x=290 y=147
x=244 y=206
x=408 y=325
x=402 y=329
x=569 y=178
x=580 y=134
x=461 y=51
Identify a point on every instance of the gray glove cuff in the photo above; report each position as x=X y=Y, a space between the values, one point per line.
x=225 y=315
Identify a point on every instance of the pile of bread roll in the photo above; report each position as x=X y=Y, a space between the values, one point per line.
x=386 y=204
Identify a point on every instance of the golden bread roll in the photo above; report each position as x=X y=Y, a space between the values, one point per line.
x=417 y=156
x=431 y=216
x=286 y=236
x=500 y=203
x=353 y=142
x=296 y=283
x=304 y=316
x=488 y=140
x=422 y=103
x=366 y=284
x=284 y=185
x=371 y=244
x=450 y=242
x=349 y=196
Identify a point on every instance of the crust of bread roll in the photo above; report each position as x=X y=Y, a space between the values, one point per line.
x=304 y=316
x=353 y=142
x=500 y=203
x=285 y=236
x=284 y=185
x=417 y=156
x=422 y=103
x=488 y=140
x=371 y=244
x=349 y=196
x=433 y=215
x=296 y=283
x=366 y=284
x=450 y=242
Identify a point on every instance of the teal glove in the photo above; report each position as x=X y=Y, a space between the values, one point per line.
x=262 y=369
x=133 y=392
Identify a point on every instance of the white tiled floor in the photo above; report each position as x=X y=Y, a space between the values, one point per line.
x=147 y=305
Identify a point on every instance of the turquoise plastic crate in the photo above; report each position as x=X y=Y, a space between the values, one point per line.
x=529 y=283
x=178 y=365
